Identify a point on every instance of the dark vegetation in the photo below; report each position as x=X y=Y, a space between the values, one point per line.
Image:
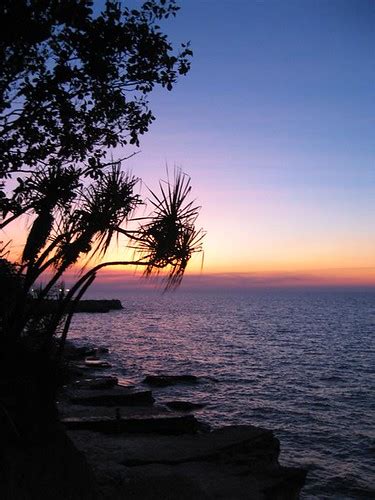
x=74 y=84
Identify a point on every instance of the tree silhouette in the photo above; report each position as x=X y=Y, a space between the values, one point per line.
x=75 y=221
x=74 y=84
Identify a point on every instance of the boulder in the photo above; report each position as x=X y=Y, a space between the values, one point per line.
x=90 y=366
x=73 y=352
x=96 y=383
x=167 y=380
x=236 y=462
x=157 y=425
x=118 y=396
x=102 y=350
x=95 y=362
x=184 y=405
x=244 y=443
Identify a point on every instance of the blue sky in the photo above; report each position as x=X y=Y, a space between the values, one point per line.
x=275 y=124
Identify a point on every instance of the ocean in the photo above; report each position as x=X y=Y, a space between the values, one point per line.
x=300 y=362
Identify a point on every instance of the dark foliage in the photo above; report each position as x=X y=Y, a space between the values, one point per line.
x=74 y=83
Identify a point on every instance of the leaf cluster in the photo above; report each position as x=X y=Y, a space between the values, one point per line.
x=74 y=221
x=74 y=83
x=170 y=238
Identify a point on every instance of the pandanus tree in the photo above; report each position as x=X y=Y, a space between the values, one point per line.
x=73 y=225
x=75 y=222
x=74 y=85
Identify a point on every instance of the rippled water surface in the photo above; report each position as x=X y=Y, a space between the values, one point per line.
x=301 y=363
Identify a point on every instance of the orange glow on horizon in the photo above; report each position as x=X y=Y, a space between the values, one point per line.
x=129 y=275
x=247 y=262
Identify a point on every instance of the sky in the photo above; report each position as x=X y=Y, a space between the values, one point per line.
x=275 y=125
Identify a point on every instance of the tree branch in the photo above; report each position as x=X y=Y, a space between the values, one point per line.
x=14 y=217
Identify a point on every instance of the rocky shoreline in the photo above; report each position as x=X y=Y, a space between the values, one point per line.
x=140 y=449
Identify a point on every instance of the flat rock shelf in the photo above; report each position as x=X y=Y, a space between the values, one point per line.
x=139 y=449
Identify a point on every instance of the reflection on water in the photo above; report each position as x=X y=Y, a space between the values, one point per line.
x=301 y=363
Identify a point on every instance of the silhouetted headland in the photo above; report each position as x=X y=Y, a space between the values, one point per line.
x=86 y=306
x=91 y=306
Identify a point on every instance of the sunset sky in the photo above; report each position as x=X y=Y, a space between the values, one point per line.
x=275 y=125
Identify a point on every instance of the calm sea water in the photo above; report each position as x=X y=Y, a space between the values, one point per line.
x=298 y=362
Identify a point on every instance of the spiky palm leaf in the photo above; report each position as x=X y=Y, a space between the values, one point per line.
x=109 y=204
x=170 y=239
x=102 y=208
x=48 y=188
